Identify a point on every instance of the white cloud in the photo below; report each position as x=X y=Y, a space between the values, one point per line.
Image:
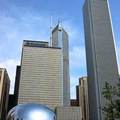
x=77 y=68
x=75 y=33
x=77 y=58
x=10 y=66
x=34 y=26
x=25 y=27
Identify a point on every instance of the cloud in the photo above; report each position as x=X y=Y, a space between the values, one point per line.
x=28 y=26
x=15 y=27
x=14 y=30
x=10 y=66
x=18 y=26
x=75 y=33
x=77 y=58
x=77 y=68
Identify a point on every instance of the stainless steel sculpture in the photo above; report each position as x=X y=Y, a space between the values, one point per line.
x=31 y=111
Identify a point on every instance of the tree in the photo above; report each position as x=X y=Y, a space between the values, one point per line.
x=111 y=109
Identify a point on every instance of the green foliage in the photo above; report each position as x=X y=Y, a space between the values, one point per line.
x=111 y=109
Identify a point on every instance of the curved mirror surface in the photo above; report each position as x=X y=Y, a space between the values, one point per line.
x=31 y=111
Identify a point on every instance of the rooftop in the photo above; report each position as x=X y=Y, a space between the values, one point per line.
x=42 y=44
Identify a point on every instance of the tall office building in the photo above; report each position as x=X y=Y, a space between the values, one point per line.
x=83 y=97
x=4 y=93
x=41 y=75
x=100 y=53
x=60 y=39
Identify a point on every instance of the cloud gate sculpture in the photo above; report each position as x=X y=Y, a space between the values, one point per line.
x=31 y=111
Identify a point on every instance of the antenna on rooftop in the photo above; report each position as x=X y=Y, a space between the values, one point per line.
x=51 y=27
x=60 y=24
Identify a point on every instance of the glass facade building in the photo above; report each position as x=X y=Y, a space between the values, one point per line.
x=60 y=39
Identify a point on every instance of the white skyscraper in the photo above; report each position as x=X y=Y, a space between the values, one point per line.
x=60 y=39
x=100 y=53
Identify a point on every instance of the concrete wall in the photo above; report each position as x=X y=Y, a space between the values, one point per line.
x=68 y=113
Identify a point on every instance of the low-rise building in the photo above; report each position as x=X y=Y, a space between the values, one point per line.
x=13 y=98
x=68 y=113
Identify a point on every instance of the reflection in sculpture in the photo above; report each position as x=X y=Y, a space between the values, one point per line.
x=31 y=111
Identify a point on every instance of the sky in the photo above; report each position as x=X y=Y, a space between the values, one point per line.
x=30 y=20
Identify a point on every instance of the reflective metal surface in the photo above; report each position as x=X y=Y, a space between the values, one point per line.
x=31 y=111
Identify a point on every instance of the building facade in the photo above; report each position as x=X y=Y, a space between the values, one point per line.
x=60 y=39
x=41 y=75
x=83 y=98
x=68 y=113
x=100 y=53
x=4 y=93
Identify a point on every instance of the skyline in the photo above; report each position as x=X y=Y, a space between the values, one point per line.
x=16 y=26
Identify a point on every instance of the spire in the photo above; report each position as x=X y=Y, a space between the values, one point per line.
x=51 y=27
x=59 y=24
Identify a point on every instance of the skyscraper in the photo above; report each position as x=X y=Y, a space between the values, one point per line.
x=83 y=97
x=4 y=93
x=60 y=39
x=100 y=53
x=41 y=75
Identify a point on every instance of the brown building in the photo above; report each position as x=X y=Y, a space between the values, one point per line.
x=4 y=93
x=75 y=102
x=83 y=97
